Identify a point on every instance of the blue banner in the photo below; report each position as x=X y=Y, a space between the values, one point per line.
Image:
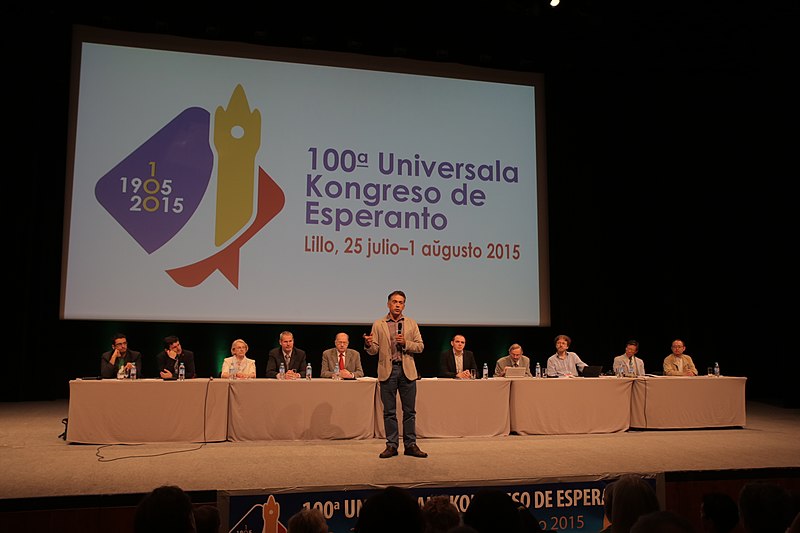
x=564 y=506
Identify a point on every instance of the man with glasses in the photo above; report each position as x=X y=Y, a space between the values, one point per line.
x=347 y=360
x=514 y=358
x=119 y=356
x=678 y=363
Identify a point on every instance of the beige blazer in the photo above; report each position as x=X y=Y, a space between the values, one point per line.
x=381 y=339
x=352 y=362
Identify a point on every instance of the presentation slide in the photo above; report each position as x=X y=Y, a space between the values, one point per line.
x=213 y=188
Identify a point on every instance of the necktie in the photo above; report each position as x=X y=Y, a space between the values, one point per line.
x=341 y=361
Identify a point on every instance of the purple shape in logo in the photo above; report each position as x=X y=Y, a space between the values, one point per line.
x=154 y=191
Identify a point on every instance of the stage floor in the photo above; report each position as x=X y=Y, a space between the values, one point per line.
x=36 y=463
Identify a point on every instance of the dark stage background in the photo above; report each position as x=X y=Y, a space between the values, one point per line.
x=670 y=131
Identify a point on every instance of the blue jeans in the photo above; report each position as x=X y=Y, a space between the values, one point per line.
x=408 y=397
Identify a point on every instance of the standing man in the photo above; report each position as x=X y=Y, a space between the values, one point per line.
x=346 y=359
x=678 y=363
x=627 y=363
x=396 y=338
x=514 y=358
x=119 y=355
x=170 y=358
x=292 y=358
x=458 y=362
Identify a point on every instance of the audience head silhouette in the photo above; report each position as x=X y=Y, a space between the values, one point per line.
x=307 y=521
x=765 y=508
x=207 y=519
x=608 y=502
x=492 y=510
x=633 y=497
x=440 y=514
x=167 y=509
x=528 y=523
x=390 y=510
x=719 y=513
x=661 y=522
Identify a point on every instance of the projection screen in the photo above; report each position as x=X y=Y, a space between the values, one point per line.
x=211 y=181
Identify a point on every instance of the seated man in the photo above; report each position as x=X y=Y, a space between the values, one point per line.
x=513 y=359
x=628 y=364
x=347 y=360
x=170 y=358
x=119 y=356
x=678 y=363
x=458 y=362
x=293 y=359
x=563 y=362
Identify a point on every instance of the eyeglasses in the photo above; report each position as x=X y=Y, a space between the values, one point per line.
x=120 y=344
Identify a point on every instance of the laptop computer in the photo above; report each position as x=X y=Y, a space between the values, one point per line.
x=515 y=372
x=592 y=371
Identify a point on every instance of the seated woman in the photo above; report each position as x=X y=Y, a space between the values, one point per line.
x=245 y=368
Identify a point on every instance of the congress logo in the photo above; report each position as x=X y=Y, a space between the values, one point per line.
x=156 y=190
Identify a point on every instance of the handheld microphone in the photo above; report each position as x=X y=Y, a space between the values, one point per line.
x=400 y=332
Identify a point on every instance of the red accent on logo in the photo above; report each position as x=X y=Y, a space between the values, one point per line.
x=270 y=202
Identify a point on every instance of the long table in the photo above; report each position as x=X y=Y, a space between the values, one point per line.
x=271 y=409
x=688 y=402
x=147 y=410
x=455 y=408
x=562 y=406
x=204 y=410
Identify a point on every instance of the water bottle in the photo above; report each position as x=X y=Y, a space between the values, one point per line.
x=121 y=371
x=716 y=369
x=485 y=371
x=181 y=372
x=233 y=370
x=308 y=371
x=282 y=372
x=133 y=370
x=336 y=375
x=538 y=370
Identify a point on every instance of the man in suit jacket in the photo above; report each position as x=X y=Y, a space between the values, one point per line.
x=678 y=363
x=169 y=359
x=293 y=358
x=119 y=355
x=395 y=338
x=346 y=359
x=628 y=364
x=458 y=362
x=514 y=358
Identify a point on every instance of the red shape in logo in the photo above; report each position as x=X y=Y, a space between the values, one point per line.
x=269 y=203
